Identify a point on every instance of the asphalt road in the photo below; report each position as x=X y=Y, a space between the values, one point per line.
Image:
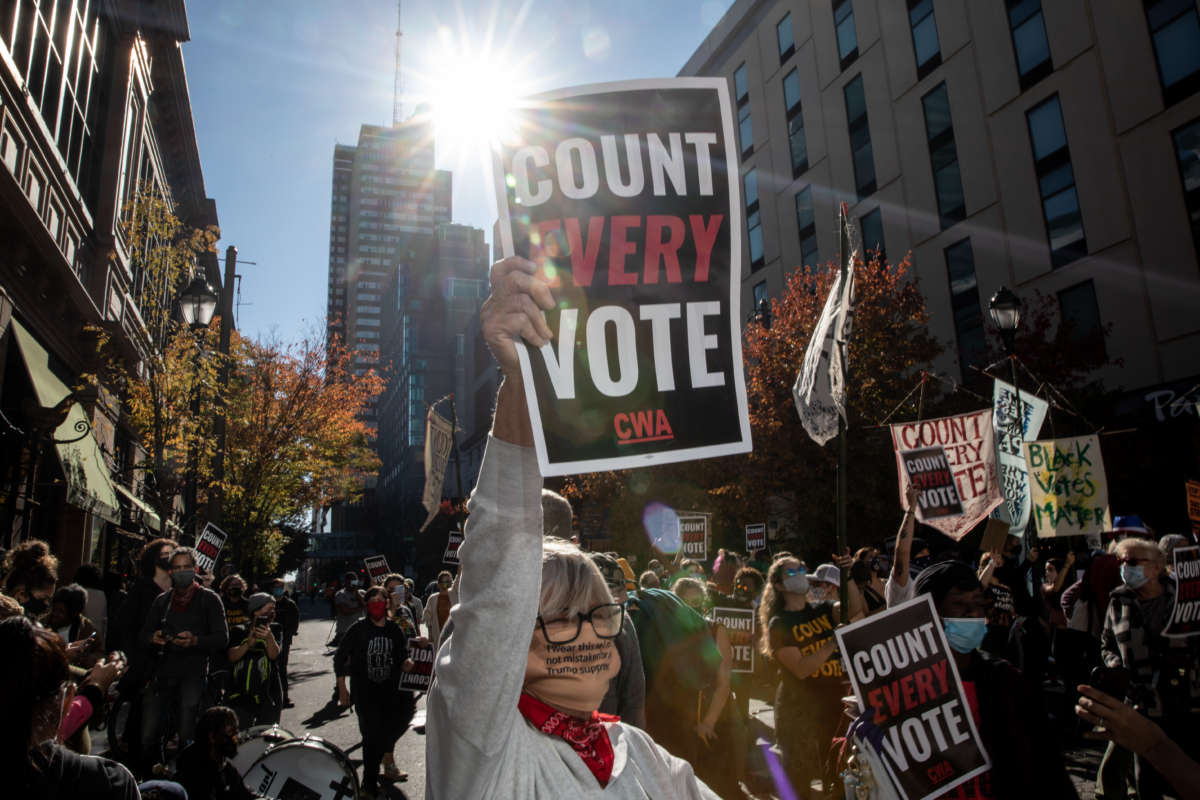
x=311 y=678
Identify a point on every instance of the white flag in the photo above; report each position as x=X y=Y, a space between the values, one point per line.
x=820 y=389
x=439 y=439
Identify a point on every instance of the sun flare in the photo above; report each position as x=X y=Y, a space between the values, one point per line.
x=473 y=101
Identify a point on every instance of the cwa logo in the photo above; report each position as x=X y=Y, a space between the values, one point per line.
x=635 y=427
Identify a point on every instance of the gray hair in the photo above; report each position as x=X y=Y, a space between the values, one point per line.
x=1147 y=546
x=571 y=582
x=190 y=552
x=556 y=515
x=1171 y=541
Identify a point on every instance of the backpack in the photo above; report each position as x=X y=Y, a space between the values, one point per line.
x=253 y=679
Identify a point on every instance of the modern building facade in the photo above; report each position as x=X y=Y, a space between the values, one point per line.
x=94 y=106
x=1050 y=147
x=1043 y=146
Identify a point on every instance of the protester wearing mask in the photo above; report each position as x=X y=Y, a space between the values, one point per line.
x=1162 y=681
x=911 y=556
x=233 y=597
x=204 y=769
x=396 y=590
x=35 y=692
x=412 y=601
x=349 y=605
x=30 y=575
x=1054 y=579
x=437 y=608
x=495 y=705
x=287 y=614
x=721 y=730
x=185 y=626
x=626 y=695
x=747 y=594
x=1026 y=759
x=808 y=705
x=77 y=631
x=868 y=573
x=372 y=654
x=255 y=688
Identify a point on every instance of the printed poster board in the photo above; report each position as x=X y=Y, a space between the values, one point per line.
x=626 y=197
x=439 y=441
x=1185 y=617
x=693 y=536
x=1012 y=431
x=422 y=674
x=452 y=543
x=901 y=665
x=377 y=568
x=756 y=536
x=739 y=623
x=1068 y=486
x=208 y=547
x=928 y=470
x=971 y=454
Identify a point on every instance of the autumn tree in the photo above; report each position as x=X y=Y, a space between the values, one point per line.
x=296 y=441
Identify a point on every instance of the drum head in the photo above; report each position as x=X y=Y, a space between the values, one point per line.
x=254 y=742
x=303 y=769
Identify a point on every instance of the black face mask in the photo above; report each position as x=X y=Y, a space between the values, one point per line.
x=235 y=594
x=35 y=607
x=164 y=564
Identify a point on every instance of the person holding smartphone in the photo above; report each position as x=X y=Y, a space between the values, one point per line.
x=256 y=690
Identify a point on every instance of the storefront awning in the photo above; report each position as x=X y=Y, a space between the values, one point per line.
x=88 y=483
x=149 y=515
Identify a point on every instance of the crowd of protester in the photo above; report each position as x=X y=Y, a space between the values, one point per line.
x=565 y=673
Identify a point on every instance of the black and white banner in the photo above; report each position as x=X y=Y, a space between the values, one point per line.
x=739 y=624
x=208 y=547
x=626 y=196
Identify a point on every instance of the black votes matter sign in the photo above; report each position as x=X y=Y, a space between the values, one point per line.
x=626 y=197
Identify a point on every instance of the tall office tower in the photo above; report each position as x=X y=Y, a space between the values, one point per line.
x=387 y=195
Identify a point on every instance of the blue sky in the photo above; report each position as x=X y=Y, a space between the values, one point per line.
x=276 y=83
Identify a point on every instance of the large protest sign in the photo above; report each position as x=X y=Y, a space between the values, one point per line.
x=1193 y=502
x=693 y=535
x=971 y=454
x=626 y=196
x=928 y=470
x=452 y=543
x=1068 y=486
x=739 y=624
x=208 y=547
x=1185 y=617
x=421 y=675
x=1012 y=431
x=756 y=537
x=377 y=568
x=439 y=441
x=901 y=666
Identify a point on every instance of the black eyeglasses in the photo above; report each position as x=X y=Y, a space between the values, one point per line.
x=606 y=620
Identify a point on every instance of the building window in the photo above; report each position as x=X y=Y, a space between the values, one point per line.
x=1029 y=41
x=1081 y=312
x=787 y=42
x=943 y=156
x=847 y=38
x=1187 y=153
x=860 y=137
x=1175 y=31
x=964 y=301
x=1056 y=183
x=760 y=294
x=753 y=219
x=924 y=35
x=806 y=223
x=741 y=91
x=795 y=122
x=872 y=233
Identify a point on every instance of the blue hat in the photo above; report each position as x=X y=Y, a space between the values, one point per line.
x=1130 y=523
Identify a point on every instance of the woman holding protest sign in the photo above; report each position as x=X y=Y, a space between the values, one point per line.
x=513 y=709
x=808 y=706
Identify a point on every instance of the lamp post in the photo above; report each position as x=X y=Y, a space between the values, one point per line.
x=197 y=304
x=761 y=315
x=1005 y=310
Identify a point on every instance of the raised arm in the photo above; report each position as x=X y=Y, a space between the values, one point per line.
x=481 y=665
x=904 y=538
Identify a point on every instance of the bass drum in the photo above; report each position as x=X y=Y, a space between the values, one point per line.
x=303 y=769
x=254 y=742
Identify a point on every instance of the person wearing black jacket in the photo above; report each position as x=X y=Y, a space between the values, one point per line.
x=203 y=768
x=287 y=614
x=184 y=627
x=35 y=692
x=372 y=654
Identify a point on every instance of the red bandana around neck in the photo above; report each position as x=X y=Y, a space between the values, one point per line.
x=589 y=737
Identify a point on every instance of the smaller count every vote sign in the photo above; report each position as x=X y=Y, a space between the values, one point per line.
x=627 y=199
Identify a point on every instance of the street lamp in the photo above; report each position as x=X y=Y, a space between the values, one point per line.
x=762 y=315
x=1005 y=309
x=197 y=304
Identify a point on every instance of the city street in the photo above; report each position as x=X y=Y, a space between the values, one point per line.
x=312 y=681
